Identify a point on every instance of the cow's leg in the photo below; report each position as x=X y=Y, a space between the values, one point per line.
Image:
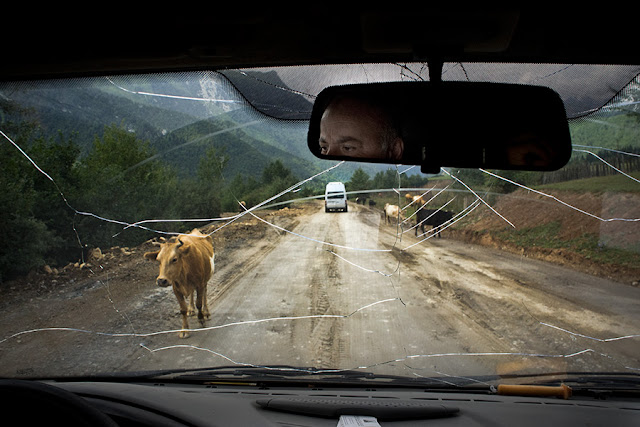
x=192 y=308
x=205 y=304
x=201 y=304
x=183 y=312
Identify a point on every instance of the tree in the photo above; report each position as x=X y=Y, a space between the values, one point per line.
x=59 y=160
x=359 y=181
x=206 y=192
x=235 y=192
x=34 y=218
x=275 y=178
x=471 y=177
x=386 y=179
x=26 y=237
x=276 y=171
x=415 y=180
x=123 y=182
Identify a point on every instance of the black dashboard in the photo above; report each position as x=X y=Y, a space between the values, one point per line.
x=170 y=404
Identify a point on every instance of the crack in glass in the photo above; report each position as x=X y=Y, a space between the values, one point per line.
x=394 y=271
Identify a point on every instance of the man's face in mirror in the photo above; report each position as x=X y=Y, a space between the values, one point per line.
x=351 y=127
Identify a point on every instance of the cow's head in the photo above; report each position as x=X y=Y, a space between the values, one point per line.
x=171 y=258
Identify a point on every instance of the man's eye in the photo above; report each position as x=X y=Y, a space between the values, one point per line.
x=323 y=150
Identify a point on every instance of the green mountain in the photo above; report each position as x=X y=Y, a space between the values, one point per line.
x=247 y=152
x=180 y=127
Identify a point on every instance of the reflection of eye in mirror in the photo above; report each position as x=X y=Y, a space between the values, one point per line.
x=456 y=124
x=358 y=126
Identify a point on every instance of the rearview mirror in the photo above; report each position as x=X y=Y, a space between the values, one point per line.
x=443 y=124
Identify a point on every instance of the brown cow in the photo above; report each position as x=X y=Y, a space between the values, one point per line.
x=186 y=264
x=414 y=199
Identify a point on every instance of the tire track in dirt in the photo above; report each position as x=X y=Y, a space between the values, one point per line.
x=323 y=333
x=506 y=303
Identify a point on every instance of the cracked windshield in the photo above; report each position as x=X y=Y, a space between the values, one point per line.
x=180 y=221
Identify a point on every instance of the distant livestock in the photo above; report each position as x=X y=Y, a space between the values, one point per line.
x=433 y=217
x=415 y=199
x=363 y=201
x=391 y=211
x=186 y=264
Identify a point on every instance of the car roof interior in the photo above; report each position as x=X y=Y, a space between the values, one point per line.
x=103 y=42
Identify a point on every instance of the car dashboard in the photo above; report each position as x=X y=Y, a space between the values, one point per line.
x=174 y=404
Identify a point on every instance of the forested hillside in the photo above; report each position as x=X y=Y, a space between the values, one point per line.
x=113 y=162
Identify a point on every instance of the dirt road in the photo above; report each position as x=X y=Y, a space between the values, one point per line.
x=337 y=291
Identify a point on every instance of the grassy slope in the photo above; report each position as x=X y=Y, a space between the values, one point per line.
x=600 y=184
x=548 y=229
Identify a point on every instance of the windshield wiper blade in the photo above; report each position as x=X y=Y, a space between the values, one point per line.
x=556 y=378
x=280 y=374
x=235 y=372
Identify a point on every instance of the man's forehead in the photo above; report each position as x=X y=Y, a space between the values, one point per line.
x=341 y=130
x=346 y=106
x=352 y=111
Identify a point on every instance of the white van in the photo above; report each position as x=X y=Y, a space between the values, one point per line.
x=335 y=197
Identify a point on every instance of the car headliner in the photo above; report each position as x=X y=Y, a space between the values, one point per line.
x=104 y=41
x=65 y=44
